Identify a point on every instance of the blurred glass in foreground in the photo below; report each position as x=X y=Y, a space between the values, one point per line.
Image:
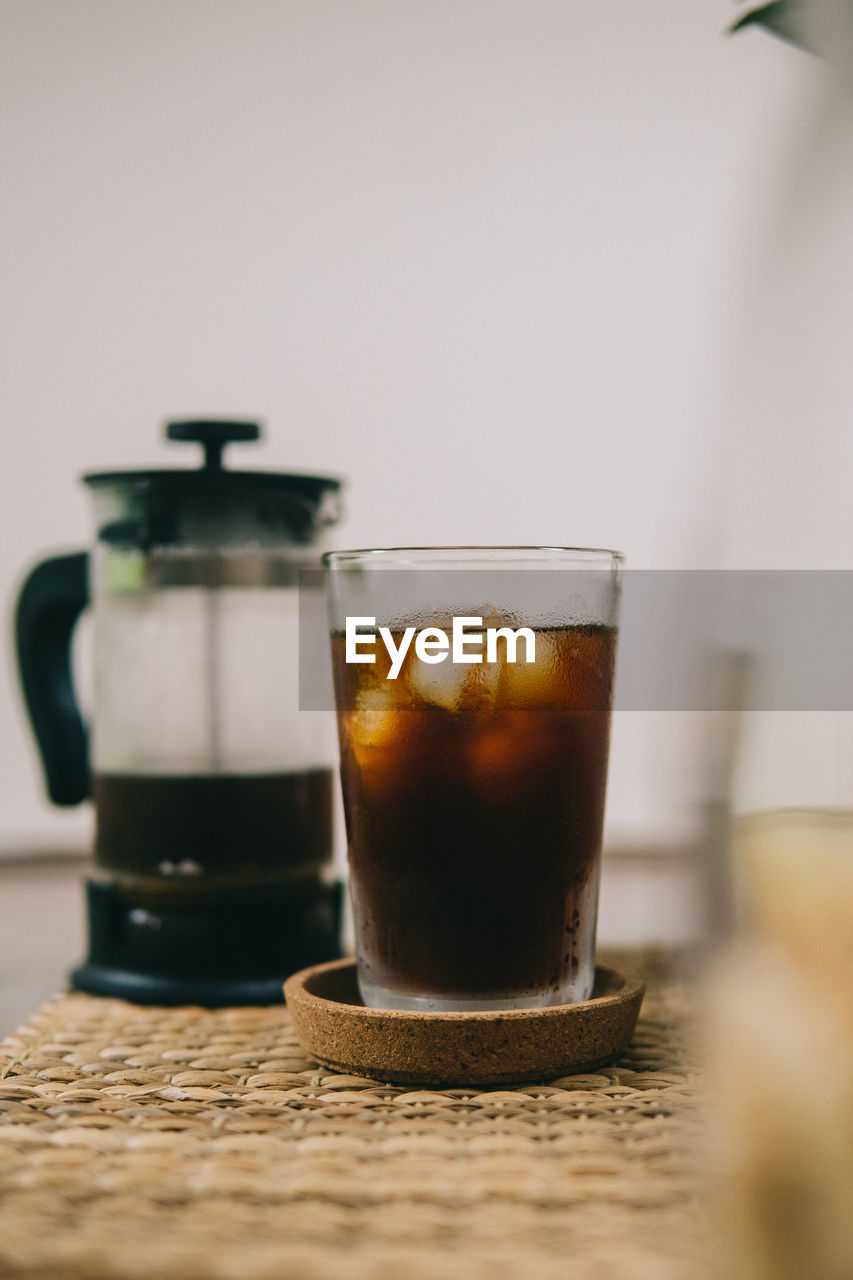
x=780 y=1030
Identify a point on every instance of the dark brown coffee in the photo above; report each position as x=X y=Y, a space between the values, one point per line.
x=474 y=800
x=214 y=828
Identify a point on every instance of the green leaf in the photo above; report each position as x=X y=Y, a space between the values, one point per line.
x=782 y=18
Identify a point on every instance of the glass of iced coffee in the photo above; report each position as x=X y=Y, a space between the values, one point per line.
x=473 y=690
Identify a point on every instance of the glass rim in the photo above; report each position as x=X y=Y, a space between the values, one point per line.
x=461 y=554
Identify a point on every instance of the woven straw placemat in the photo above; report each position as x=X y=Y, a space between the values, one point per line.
x=192 y=1144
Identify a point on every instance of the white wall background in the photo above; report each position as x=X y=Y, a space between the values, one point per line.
x=484 y=257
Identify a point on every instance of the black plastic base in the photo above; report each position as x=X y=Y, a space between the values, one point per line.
x=143 y=988
x=210 y=947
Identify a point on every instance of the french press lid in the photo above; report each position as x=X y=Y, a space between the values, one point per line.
x=212 y=505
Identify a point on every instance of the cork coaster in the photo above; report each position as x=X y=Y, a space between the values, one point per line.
x=495 y=1047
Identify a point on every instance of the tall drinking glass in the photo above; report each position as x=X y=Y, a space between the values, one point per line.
x=473 y=689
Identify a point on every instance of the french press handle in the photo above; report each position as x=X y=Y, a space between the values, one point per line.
x=50 y=601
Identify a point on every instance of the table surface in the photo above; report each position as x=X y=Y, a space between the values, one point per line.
x=200 y=1144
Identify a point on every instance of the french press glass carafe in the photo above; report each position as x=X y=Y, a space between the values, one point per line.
x=212 y=790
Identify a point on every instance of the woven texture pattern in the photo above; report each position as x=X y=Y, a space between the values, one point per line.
x=205 y=1145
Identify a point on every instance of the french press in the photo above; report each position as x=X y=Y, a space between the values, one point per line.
x=212 y=790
